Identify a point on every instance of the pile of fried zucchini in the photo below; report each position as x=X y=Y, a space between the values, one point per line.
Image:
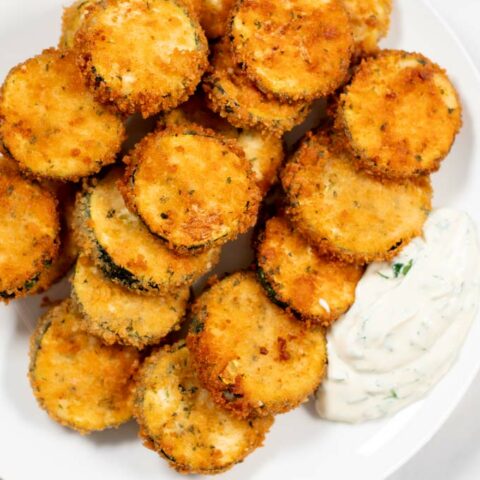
x=224 y=80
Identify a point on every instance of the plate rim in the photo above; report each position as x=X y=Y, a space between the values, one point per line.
x=420 y=442
x=459 y=394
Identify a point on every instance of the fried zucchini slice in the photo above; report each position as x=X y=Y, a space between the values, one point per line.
x=264 y=151
x=265 y=154
x=295 y=50
x=191 y=187
x=214 y=16
x=251 y=355
x=370 y=20
x=126 y=251
x=117 y=315
x=401 y=114
x=235 y=97
x=72 y=19
x=179 y=420
x=8 y=164
x=316 y=287
x=51 y=124
x=195 y=110
x=80 y=382
x=195 y=7
x=347 y=213
x=170 y=54
x=28 y=231
x=68 y=251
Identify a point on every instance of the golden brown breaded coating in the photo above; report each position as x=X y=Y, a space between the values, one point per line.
x=264 y=151
x=51 y=124
x=29 y=230
x=179 y=420
x=191 y=187
x=214 y=17
x=265 y=154
x=8 y=164
x=370 y=20
x=143 y=56
x=72 y=19
x=347 y=213
x=234 y=96
x=195 y=110
x=80 y=382
x=68 y=250
x=126 y=251
x=195 y=7
x=118 y=315
x=316 y=287
x=401 y=114
x=251 y=355
x=295 y=50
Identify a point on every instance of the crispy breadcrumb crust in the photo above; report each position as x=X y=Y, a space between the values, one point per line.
x=264 y=151
x=251 y=355
x=401 y=114
x=214 y=17
x=296 y=50
x=195 y=111
x=370 y=20
x=179 y=420
x=317 y=288
x=51 y=124
x=29 y=232
x=72 y=19
x=124 y=248
x=80 y=382
x=265 y=154
x=347 y=213
x=118 y=315
x=156 y=77
x=192 y=187
x=68 y=250
x=235 y=97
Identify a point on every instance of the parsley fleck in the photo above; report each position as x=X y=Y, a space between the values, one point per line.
x=397 y=268
x=407 y=267
x=401 y=268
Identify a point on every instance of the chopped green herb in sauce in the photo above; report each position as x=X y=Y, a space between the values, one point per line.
x=398 y=269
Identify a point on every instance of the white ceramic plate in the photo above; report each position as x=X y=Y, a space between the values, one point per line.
x=300 y=446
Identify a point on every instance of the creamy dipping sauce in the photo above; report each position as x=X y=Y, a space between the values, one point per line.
x=407 y=324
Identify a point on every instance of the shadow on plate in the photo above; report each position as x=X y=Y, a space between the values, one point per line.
x=126 y=433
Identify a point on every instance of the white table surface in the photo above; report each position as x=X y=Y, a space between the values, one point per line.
x=454 y=452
